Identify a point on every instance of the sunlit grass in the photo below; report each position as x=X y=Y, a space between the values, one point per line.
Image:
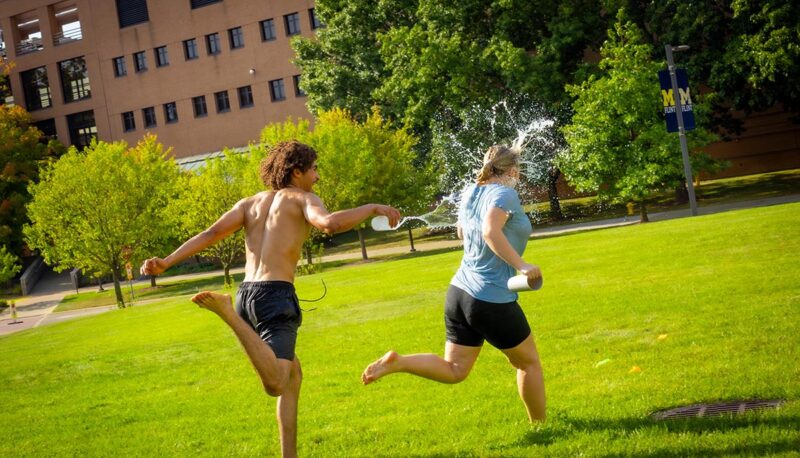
x=168 y=379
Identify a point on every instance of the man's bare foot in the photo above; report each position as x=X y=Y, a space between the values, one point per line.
x=220 y=304
x=379 y=368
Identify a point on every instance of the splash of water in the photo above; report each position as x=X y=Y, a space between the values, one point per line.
x=520 y=123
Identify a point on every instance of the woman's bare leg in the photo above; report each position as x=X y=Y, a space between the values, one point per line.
x=453 y=368
x=530 y=380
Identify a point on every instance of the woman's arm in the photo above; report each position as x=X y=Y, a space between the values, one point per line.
x=493 y=235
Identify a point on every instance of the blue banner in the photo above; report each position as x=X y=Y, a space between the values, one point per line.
x=668 y=99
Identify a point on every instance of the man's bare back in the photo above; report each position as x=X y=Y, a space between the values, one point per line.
x=275 y=229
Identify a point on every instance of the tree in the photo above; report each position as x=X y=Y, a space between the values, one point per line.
x=103 y=207
x=744 y=50
x=208 y=194
x=9 y=266
x=22 y=153
x=342 y=64
x=619 y=146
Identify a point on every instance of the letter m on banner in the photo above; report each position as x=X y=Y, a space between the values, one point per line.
x=668 y=100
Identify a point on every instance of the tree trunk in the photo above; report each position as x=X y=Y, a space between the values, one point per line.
x=643 y=212
x=118 y=288
x=227 y=276
x=363 y=244
x=682 y=193
x=152 y=281
x=552 y=193
x=411 y=239
x=309 y=254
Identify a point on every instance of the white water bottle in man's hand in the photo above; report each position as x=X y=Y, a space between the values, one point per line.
x=530 y=279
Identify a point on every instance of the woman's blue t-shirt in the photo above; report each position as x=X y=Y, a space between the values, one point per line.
x=483 y=275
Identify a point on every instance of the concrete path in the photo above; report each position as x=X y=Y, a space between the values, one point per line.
x=37 y=309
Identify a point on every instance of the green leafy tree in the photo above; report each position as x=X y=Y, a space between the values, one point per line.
x=342 y=63
x=9 y=266
x=619 y=146
x=103 y=207
x=208 y=194
x=744 y=50
x=22 y=153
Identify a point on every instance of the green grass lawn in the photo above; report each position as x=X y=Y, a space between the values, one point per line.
x=169 y=379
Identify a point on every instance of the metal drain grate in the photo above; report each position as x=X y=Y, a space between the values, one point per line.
x=715 y=410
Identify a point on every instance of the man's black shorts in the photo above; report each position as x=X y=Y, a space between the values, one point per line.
x=273 y=311
x=469 y=321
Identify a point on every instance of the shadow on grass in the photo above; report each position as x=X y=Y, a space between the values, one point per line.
x=564 y=427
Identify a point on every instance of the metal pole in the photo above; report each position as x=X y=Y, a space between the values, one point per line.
x=687 y=166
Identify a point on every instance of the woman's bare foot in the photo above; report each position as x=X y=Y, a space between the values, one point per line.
x=379 y=368
x=220 y=304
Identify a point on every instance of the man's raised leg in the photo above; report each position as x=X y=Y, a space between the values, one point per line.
x=274 y=373
x=287 y=411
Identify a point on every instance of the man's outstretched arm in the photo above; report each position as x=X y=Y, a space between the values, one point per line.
x=227 y=224
x=343 y=220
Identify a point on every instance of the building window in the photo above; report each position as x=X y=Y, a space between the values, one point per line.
x=298 y=91
x=245 y=96
x=48 y=129
x=120 y=69
x=140 y=62
x=201 y=3
x=36 y=88
x=212 y=44
x=162 y=59
x=292 y=22
x=82 y=128
x=267 y=30
x=236 y=37
x=170 y=112
x=276 y=90
x=132 y=12
x=223 y=104
x=199 y=104
x=314 y=20
x=74 y=80
x=128 y=121
x=190 y=49
x=149 y=115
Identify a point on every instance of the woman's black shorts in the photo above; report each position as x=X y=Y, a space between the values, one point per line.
x=469 y=321
x=271 y=308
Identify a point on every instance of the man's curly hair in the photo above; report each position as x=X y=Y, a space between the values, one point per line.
x=282 y=159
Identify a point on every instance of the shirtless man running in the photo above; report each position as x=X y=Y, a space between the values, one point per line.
x=276 y=223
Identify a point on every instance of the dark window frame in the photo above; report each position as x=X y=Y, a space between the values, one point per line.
x=128 y=121
x=245 y=94
x=44 y=99
x=120 y=66
x=213 y=44
x=199 y=106
x=277 y=90
x=298 y=92
x=140 y=62
x=168 y=118
x=290 y=21
x=82 y=89
x=194 y=4
x=190 y=51
x=147 y=114
x=133 y=12
x=161 y=55
x=77 y=124
x=314 y=20
x=236 y=38
x=268 y=32
x=222 y=101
